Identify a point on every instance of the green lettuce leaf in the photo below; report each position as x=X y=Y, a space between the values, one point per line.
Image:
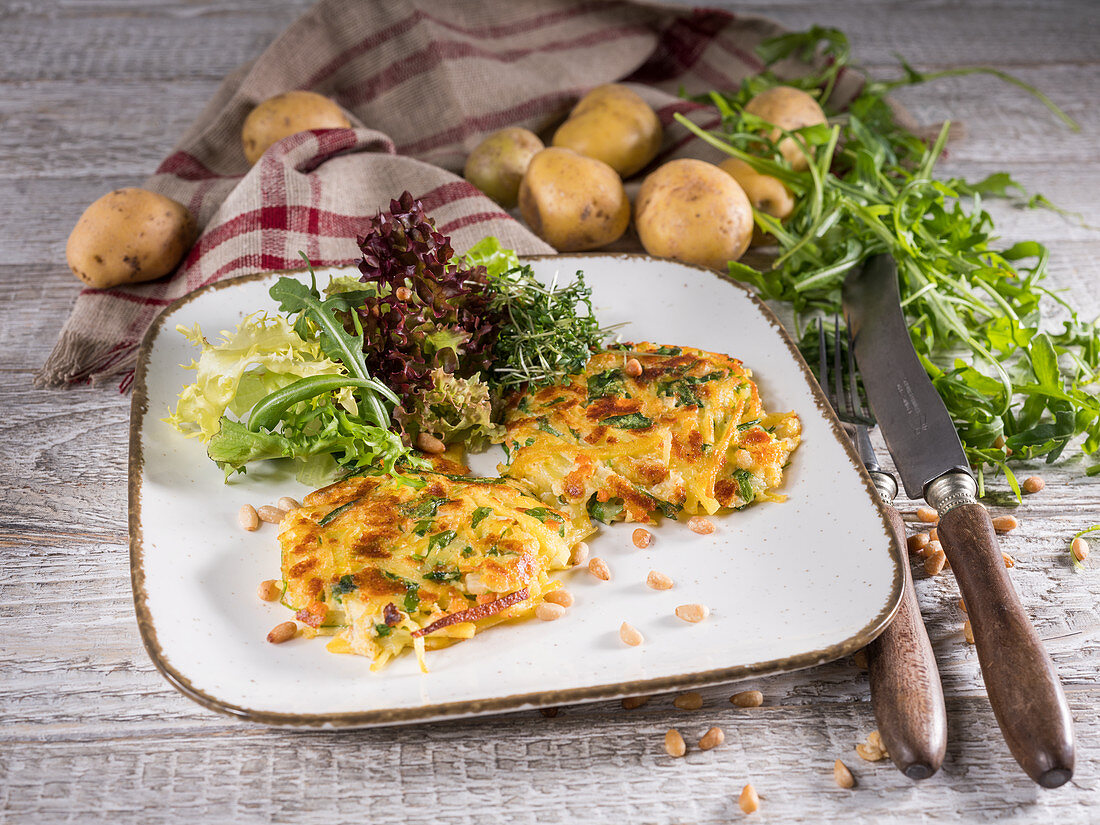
x=262 y=355
x=490 y=254
x=452 y=409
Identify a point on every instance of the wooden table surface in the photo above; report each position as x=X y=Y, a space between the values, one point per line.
x=92 y=95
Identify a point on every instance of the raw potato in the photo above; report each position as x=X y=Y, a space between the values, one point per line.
x=498 y=164
x=128 y=236
x=790 y=109
x=694 y=212
x=573 y=202
x=285 y=115
x=613 y=124
x=765 y=193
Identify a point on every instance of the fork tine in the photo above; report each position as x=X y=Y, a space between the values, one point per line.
x=823 y=362
x=838 y=372
x=853 y=388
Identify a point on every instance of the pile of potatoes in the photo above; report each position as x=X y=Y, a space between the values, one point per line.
x=572 y=196
x=134 y=235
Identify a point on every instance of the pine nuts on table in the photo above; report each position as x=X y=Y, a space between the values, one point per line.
x=1079 y=548
x=749 y=801
x=842 y=775
x=674 y=743
x=1033 y=484
x=631 y=702
x=927 y=515
x=1004 y=524
x=688 y=701
x=748 y=699
x=712 y=739
x=917 y=542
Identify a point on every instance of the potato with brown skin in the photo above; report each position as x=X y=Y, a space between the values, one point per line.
x=612 y=124
x=573 y=202
x=128 y=236
x=765 y=193
x=692 y=211
x=790 y=109
x=498 y=164
x=287 y=114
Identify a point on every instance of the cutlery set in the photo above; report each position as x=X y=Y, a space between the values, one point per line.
x=1023 y=686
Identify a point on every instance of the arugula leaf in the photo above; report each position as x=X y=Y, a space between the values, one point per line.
x=607 y=383
x=480 y=514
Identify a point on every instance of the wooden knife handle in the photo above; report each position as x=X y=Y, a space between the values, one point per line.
x=1020 y=678
x=905 y=683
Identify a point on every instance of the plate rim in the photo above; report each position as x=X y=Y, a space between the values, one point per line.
x=139 y=409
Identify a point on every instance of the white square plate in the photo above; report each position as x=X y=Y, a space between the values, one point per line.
x=789 y=584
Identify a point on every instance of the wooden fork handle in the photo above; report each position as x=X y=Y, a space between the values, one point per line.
x=1020 y=678
x=905 y=684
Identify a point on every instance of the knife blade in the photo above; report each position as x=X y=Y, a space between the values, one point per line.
x=1020 y=679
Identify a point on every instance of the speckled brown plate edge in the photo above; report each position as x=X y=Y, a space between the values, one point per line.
x=139 y=408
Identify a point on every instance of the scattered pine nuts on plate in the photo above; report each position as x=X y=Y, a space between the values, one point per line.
x=598 y=568
x=549 y=612
x=642 y=538
x=248 y=518
x=701 y=525
x=560 y=596
x=693 y=613
x=283 y=632
x=271 y=515
x=630 y=635
x=269 y=590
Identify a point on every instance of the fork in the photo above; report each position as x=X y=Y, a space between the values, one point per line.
x=905 y=684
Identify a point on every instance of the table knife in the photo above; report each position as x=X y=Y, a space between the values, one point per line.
x=1020 y=679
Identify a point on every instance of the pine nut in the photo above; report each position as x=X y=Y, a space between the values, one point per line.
x=633 y=367
x=598 y=568
x=917 y=542
x=630 y=635
x=549 y=713
x=428 y=443
x=842 y=775
x=859 y=659
x=874 y=739
x=999 y=442
x=282 y=633
x=1080 y=549
x=248 y=517
x=631 y=702
x=272 y=515
x=748 y=699
x=674 y=743
x=402 y=293
x=561 y=596
x=928 y=515
x=700 y=525
x=1009 y=561
x=287 y=503
x=548 y=612
x=962 y=605
x=658 y=581
x=642 y=538
x=934 y=534
x=933 y=565
x=1003 y=524
x=579 y=555
x=1033 y=484
x=269 y=590
x=749 y=800
x=693 y=613
x=968 y=632
x=688 y=701
x=712 y=739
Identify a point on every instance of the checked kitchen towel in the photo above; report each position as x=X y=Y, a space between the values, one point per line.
x=422 y=81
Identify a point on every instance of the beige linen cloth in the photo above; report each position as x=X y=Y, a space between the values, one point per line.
x=422 y=81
